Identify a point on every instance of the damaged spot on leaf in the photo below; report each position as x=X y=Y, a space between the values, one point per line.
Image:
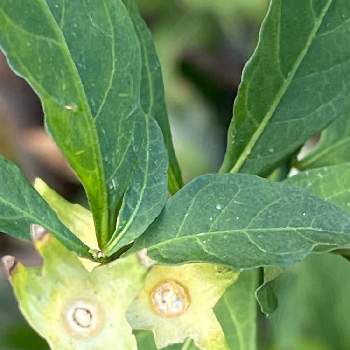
x=170 y=299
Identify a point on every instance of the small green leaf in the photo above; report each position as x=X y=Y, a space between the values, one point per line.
x=329 y=183
x=152 y=91
x=265 y=294
x=21 y=206
x=77 y=218
x=90 y=93
x=291 y=88
x=333 y=147
x=145 y=341
x=244 y=221
x=236 y=311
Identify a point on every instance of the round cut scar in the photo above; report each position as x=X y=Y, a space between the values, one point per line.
x=170 y=299
x=83 y=318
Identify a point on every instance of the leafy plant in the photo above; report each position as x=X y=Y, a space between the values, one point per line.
x=108 y=278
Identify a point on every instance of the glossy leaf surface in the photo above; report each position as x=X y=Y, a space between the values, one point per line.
x=244 y=221
x=21 y=206
x=294 y=85
x=90 y=93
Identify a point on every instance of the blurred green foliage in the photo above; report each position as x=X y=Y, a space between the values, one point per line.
x=15 y=334
x=314 y=304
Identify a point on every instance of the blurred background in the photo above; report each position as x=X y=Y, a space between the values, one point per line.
x=203 y=46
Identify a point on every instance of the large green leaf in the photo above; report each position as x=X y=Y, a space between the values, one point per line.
x=83 y=58
x=330 y=183
x=236 y=312
x=333 y=147
x=243 y=221
x=21 y=206
x=294 y=85
x=152 y=91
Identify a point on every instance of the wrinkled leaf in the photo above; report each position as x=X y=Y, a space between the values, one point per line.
x=244 y=221
x=90 y=93
x=333 y=147
x=152 y=91
x=21 y=206
x=236 y=311
x=294 y=85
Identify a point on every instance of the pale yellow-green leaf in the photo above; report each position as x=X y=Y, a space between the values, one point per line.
x=197 y=287
x=73 y=308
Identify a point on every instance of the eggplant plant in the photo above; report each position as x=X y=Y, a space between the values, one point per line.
x=155 y=263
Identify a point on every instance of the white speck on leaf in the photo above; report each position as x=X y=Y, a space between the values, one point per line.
x=71 y=107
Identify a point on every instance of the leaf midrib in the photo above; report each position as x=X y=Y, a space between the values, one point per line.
x=282 y=91
x=34 y=219
x=243 y=231
x=97 y=155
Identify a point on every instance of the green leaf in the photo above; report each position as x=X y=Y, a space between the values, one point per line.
x=265 y=294
x=145 y=341
x=152 y=91
x=245 y=222
x=90 y=93
x=143 y=201
x=294 y=85
x=329 y=183
x=21 y=206
x=236 y=312
x=333 y=147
